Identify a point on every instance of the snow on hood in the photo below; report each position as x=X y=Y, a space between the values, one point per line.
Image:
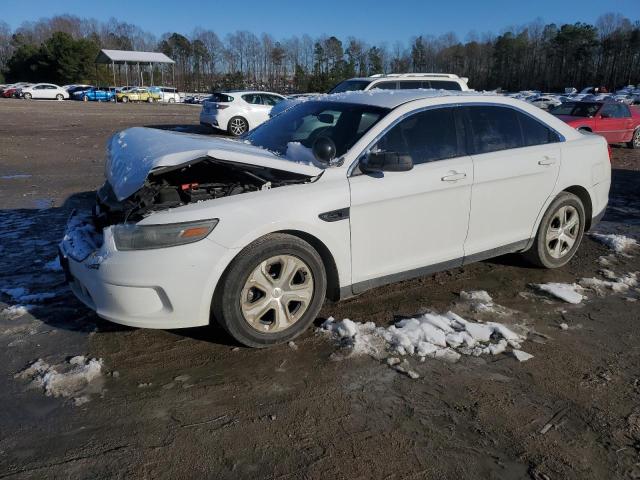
x=135 y=152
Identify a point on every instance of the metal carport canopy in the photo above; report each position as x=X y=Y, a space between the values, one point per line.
x=128 y=56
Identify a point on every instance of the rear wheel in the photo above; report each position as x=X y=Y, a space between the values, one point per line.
x=271 y=292
x=559 y=234
x=171 y=100
x=149 y=99
x=59 y=97
x=125 y=99
x=237 y=126
x=85 y=98
x=635 y=140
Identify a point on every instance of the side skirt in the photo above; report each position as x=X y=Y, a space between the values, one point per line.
x=355 y=289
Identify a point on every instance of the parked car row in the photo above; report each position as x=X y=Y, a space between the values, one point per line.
x=84 y=92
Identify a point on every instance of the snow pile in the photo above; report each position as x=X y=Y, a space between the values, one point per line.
x=431 y=335
x=614 y=283
x=80 y=237
x=614 y=241
x=569 y=292
x=78 y=377
x=479 y=301
x=15 y=311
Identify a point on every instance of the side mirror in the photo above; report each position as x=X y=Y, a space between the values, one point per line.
x=324 y=149
x=386 y=162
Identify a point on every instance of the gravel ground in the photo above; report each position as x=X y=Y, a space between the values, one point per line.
x=192 y=404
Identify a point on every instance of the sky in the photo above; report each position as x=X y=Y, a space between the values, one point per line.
x=374 y=21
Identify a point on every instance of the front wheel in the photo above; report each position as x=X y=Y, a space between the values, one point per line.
x=635 y=140
x=59 y=97
x=559 y=234
x=237 y=126
x=125 y=99
x=150 y=100
x=27 y=96
x=271 y=292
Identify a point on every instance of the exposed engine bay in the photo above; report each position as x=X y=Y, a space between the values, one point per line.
x=199 y=180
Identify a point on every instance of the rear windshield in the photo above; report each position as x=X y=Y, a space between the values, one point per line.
x=221 y=98
x=350 y=85
x=576 y=109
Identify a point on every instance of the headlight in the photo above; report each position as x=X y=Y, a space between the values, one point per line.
x=145 y=237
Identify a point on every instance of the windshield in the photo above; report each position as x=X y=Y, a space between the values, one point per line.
x=576 y=109
x=293 y=132
x=350 y=86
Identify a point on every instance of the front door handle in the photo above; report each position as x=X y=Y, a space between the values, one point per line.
x=547 y=160
x=454 y=177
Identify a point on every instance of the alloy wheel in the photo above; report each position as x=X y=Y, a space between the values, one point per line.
x=562 y=231
x=277 y=293
x=636 y=138
x=237 y=126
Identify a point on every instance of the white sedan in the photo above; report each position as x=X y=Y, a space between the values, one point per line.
x=44 y=91
x=330 y=198
x=237 y=112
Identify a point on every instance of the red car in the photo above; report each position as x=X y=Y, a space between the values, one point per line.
x=617 y=122
x=9 y=92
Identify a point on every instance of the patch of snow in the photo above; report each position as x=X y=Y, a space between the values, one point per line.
x=53 y=265
x=15 y=311
x=569 y=292
x=431 y=335
x=616 y=242
x=522 y=356
x=614 y=283
x=299 y=153
x=74 y=381
x=80 y=237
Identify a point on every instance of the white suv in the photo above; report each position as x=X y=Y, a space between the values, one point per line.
x=393 y=81
x=238 y=112
x=335 y=196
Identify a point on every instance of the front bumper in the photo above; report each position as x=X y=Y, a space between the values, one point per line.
x=160 y=288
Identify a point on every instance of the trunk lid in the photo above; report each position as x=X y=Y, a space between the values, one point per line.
x=135 y=152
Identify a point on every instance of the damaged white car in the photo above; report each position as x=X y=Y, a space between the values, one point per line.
x=328 y=199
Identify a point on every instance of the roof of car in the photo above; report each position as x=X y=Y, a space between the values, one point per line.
x=394 y=98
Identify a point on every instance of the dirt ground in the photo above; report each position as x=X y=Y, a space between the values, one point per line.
x=191 y=404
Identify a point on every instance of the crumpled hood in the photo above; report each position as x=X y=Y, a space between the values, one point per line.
x=135 y=152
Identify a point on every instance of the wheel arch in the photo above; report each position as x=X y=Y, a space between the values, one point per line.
x=584 y=196
x=585 y=128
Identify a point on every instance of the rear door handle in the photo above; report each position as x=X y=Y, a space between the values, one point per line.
x=454 y=177
x=547 y=160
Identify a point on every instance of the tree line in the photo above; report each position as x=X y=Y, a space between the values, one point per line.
x=548 y=57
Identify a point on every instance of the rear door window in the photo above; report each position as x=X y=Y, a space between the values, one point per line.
x=493 y=128
x=386 y=85
x=252 y=98
x=445 y=85
x=410 y=84
x=535 y=132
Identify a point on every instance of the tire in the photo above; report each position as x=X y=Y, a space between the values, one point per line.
x=635 y=139
x=125 y=99
x=172 y=100
x=550 y=252
x=149 y=99
x=59 y=97
x=27 y=96
x=85 y=98
x=241 y=290
x=237 y=126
